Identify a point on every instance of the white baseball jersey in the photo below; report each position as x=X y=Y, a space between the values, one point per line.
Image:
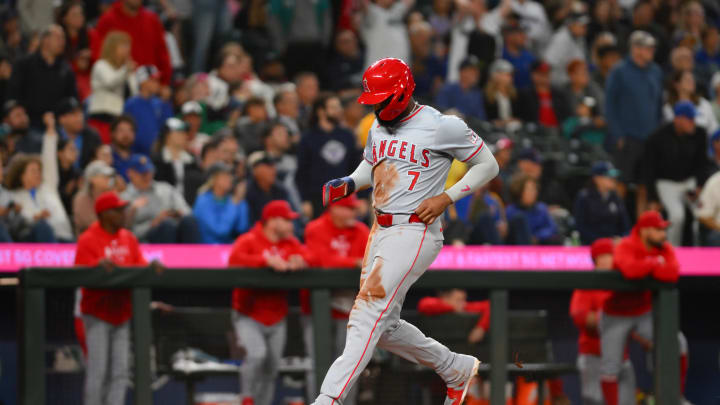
x=411 y=162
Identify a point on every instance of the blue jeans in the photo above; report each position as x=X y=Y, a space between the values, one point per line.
x=4 y=234
x=40 y=232
x=184 y=230
x=484 y=231
x=210 y=18
x=519 y=231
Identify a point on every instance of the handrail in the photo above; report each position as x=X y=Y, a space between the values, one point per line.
x=33 y=283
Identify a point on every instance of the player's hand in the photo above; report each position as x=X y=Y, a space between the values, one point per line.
x=336 y=189
x=296 y=262
x=476 y=335
x=106 y=264
x=433 y=207
x=277 y=263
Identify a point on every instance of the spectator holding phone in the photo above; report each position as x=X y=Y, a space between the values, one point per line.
x=221 y=209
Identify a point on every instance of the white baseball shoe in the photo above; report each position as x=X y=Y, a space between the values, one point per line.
x=456 y=393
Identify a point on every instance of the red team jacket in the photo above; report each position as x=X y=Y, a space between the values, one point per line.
x=636 y=262
x=333 y=247
x=582 y=303
x=250 y=250
x=436 y=306
x=123 y=249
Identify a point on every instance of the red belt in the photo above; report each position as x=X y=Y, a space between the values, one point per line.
x=386 y=220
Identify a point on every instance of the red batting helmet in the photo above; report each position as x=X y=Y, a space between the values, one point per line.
x=384 y=79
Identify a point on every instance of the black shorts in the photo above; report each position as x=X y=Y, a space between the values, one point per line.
x=629 y=160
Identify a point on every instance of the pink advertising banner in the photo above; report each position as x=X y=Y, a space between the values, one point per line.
x=693 y=261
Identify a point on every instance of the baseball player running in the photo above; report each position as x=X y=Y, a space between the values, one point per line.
x=406 y=160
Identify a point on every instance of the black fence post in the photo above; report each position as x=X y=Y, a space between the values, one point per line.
x=667 y=353
x=32 y=344
x=322 y=332
x=142 y=339
x=498 y=345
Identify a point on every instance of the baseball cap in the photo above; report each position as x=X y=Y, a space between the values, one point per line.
x=604 y=168
x=685 y=109
x=577 y=18
x=146 y=72
x=470 y=61
x=278 y=208
x=540 y=66
x=191 y=107
x=601 y=246
x=175 y=124
x=67 y=105
x=350 y=201
x=501 y=66
x=642 y=38
x=108 y=200
x=98 y=168
x=218 y=167
x=651 y=219
x=141 y=164
x=530 y=154
x=504 y=143
x=260 y=157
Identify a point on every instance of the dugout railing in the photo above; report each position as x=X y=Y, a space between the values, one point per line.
x=34 y=282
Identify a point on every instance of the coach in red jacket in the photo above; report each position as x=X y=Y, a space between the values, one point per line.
x=645 y=253
x=585 y=311
x=259 y=315
x=455 y=300
x=145 y=30
x=106 y=312
x=337 y=240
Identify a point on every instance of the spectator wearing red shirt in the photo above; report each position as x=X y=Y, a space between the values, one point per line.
x=337 y=239
x=585 y=308
x=106 y=312
x=145 y=30
x=644 y=253
x=259 y=315
x=541 y=103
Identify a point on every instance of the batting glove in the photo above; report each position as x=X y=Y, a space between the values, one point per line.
x=336 y=189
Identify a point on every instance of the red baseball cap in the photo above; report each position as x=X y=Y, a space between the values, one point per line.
x=350 y=201
x=108 y=200
x=278 y=208
x=651 y=219
x=601 y=246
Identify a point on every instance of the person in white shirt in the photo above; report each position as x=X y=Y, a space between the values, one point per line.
x=33 y=185
x=109 y=76
x=566 y=45
x=384 y=30
x=708 y=211
x=682 y=88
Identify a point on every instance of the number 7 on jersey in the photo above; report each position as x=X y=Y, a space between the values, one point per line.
x=415 y=175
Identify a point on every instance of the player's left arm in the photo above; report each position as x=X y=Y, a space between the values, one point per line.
x=483 y=168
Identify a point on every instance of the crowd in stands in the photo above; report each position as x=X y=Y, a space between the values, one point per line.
x=202 y=113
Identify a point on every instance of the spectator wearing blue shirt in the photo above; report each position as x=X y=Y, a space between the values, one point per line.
x=515 y=51
x=707 y=58
x=529 y=221
x=633 y=105
x=599 y=211
x=122 y=135
x=465 y=95
x=221 y=212
x=148 y=110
